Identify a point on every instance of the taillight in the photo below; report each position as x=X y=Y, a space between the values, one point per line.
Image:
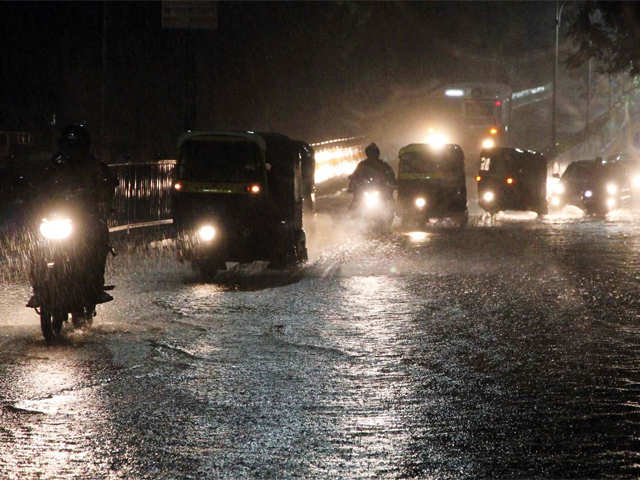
x=255 y=189
x=478 y=178
x=509 y=181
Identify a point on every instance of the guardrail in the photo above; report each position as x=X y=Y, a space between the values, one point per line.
x=143 y=194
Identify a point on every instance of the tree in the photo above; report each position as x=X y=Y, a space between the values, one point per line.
x=608 y=32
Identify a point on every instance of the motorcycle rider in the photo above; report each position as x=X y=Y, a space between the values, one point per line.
x=372 y=167
x=75 y=167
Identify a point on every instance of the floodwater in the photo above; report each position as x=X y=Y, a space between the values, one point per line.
x=509 y=349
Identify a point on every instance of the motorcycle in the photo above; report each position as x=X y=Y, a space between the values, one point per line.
x=373 y=204
x=68 y=252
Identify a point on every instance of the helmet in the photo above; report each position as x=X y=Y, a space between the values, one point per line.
x=76 y=135
x=372 y=151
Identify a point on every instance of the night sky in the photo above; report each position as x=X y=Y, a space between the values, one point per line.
x=310 y=70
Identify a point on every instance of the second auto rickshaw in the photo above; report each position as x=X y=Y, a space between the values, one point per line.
x=431 y=183
x=238 y=197
x=512 y=179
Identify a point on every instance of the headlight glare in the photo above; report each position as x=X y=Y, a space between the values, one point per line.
x=207 y=233
x=612 y=188
x=420 y=202
x=488 y=196
x=56 y=229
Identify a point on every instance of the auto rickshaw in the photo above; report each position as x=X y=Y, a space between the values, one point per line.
x=238 y=197
x=431 y=183
x=512 y=179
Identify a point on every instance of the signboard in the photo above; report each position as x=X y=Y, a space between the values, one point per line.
x=189 y=14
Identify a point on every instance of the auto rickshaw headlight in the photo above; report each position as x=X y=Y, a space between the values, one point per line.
x=588 y=194
x=207 y=233
x=488 y=196
x=611 y=202
x=488 y=143
x=558 y=188
x=56 y=229
x=555 y=201
x=420 y=202
x=612 y=188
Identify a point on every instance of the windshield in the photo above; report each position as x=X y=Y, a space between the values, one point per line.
x=579 y=171
x=422 y=162
x=220 y=161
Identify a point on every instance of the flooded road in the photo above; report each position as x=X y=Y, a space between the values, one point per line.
x=504 y=350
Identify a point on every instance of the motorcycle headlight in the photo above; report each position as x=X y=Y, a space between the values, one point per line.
x=588 y=194
x=611 y=202
x=555 y=201
x=635 y=181
x=206 y=233
x=372 y=198
x=56 y=229
x=420 y=202
x=488 y=196
x=612 y=188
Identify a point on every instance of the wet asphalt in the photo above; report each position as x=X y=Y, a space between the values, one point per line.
x=509 y=349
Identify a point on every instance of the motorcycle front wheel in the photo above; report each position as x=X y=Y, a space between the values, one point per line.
x=51 y=324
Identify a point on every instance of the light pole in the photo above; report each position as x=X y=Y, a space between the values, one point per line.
x=554 y=95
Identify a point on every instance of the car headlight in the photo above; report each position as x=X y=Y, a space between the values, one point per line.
x=420 y=202
x=488 y=196
x=207 y=233
x=371 y=198
x=588 y=194
x=612 y=188
x=56 y=229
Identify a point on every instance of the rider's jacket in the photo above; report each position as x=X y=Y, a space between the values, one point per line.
x=91 y=175
x=377 y=170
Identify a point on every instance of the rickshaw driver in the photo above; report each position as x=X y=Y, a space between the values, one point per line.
x=372 y=167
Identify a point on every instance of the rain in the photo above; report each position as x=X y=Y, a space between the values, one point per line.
x=495 y=337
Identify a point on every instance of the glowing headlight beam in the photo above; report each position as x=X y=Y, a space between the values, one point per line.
x=420 y=202
x=371 y=199
x=612 y=188
x=57 y=229
x=488 y=196
x=207 y=233
x=488 y=143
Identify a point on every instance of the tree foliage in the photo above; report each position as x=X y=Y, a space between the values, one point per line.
x=608 y=32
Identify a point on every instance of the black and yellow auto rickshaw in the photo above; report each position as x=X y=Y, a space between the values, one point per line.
x=431 y=183
x=238 y=197
x=512 y=179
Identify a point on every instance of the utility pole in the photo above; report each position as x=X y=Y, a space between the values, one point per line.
x=554 y=94
x=588 y=115
x=104 y=144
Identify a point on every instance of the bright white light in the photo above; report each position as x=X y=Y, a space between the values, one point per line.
x=612 y=188
x=488 y=143
x=418 y=236
x=371 y=198
x=207 y=233
x=436 y=140
x=635 y=182
x=57 y=229
x=588 y=194
x=555 y=201
x=611 y=202
x=420 y=202
x=488 y=196
x=558 y=188
x=454 y=92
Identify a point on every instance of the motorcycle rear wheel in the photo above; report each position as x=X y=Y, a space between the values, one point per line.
x=51 y=324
